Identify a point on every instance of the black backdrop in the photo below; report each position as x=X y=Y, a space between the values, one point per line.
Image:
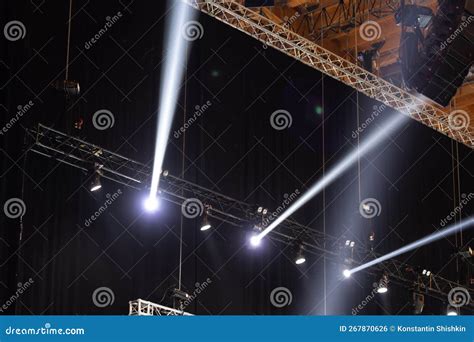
x=231 y=148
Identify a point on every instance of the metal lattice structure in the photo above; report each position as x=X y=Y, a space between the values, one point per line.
x=347 y=15
x=142 y=307
x=313 y=55
x=82 y=155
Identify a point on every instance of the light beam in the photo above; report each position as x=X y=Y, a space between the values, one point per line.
x=417 y=244
x=172 y=73
x=373 y=140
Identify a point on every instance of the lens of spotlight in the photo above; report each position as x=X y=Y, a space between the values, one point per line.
x=205 y=225
x=346 y=273
x=255 y=240
x=96 y=185
x=382 y=289
x=451 y=311
x=151 y=204
x=300 y=260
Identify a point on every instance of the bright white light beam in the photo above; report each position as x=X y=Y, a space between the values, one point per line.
x=373 y=140
x=421 y=242
x=172 y=73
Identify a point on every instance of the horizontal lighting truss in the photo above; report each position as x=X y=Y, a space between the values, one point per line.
x=82 y=155
x=283 y=39
x=142 y=307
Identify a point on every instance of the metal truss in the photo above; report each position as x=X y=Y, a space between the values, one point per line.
x=80 y=154
x=142 y=307
x=313 y=55
x=348 y=14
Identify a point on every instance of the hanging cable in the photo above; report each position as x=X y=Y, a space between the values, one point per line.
x=68 y=39
x=182 y=169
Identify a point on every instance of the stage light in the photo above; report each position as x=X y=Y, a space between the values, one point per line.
x=300 y=258
x=382 y=286
x=172 y=74
x=151 y=204
x=346 y=273
x=451 y=311
x=205 y=225
x=419 y=243
x=255 y=241
x=418 y=303
x=96 y=185
x=367 y=145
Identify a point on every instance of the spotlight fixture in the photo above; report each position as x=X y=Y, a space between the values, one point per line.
x=346 y=273
x=426 y=273
x=180 y=295
x=418 y=303
x=382 y=286
x=205 y=225
x=300 y=259
x=452 y=311
x=350 y=243
x=70 y=88
x=372 y=237
x=96 y=184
